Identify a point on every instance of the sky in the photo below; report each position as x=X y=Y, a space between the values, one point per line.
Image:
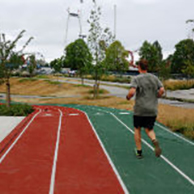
x=136 y=21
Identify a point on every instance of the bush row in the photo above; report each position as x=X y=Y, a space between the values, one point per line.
x=179 y=85
x=16 y=110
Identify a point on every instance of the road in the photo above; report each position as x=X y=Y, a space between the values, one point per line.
x=118 y=90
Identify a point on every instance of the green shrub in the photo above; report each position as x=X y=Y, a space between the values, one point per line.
x=116 y=79
x=183 y=127
x=16 y=110
x=113 y=78
x=27 y=80
x=42 y=77
x=179 y=84
x=100 y=91
x=80 y=85
x=53 y=82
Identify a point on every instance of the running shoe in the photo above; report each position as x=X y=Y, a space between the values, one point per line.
x=138 y=154
x=157 y=148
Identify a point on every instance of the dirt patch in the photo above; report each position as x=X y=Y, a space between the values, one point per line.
x=43 y=88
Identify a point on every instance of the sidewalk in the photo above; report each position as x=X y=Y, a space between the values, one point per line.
x=7 y=124
x=182 y=94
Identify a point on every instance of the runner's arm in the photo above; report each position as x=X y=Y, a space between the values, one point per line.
x=131 y=93
x=161 y=92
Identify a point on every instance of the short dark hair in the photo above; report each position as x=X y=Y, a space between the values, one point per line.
x=143 y=63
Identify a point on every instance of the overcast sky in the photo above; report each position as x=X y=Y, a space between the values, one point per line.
x=136 y=21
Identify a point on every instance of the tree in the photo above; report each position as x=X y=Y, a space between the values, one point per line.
x=10 y=60
x=57 y=65
x=189 y=70
x=69 y=57
x=164 y=71
x=158 y=50
x=183 y=56
x=79 y=58
x=82 y=57
x=98 y=40
x=31 y=64
x=152 y=53
x=116 y=57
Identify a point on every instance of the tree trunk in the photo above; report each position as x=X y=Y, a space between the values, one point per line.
x=165 y=88
x=97 y=89
x=8 y=93
x=94 y=92
x=95 y=85
x=82 y=80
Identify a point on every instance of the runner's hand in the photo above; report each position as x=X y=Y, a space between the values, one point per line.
x=127 y=97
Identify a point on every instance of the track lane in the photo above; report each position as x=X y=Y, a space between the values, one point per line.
x=27 y=167
x=11 y=137
x=153 y=174
x=82 y=166
x=179 y=152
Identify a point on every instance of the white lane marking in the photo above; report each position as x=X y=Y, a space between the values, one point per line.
x=5 y=154
x=108 y=157
x=124 y=113
x=163 y=157
x=100 y=114
x=73 y=114
x=184 y=139
x=52 y=183
x=48 y=115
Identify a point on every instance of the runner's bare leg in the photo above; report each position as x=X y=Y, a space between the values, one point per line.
x=137 y=137
x=151 y=134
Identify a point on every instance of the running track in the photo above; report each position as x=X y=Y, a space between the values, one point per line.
x=86 y=150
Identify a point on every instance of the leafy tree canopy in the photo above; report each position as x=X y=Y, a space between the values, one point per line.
x=116 y=57
x=183 y=56
x=78 y=55
x=152 y=53
x=57 y=64
x=31 y=62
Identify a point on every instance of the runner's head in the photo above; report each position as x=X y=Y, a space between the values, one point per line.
x=142 y=65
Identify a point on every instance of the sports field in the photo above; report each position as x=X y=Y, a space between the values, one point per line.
x=77 y=149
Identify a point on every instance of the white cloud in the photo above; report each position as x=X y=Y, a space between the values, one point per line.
x=146 y=1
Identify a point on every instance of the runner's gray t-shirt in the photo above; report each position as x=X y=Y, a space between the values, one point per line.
x=146 y=100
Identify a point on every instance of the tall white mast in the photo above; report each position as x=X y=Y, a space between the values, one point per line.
x=115 y=20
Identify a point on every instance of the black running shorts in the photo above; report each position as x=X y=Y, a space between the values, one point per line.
x=144 y=121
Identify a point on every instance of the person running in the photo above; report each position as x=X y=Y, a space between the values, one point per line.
x=147 y=88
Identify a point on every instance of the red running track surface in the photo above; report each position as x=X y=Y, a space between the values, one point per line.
x=81 y=166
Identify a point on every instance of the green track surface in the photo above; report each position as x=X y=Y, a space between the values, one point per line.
x=149 y=175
